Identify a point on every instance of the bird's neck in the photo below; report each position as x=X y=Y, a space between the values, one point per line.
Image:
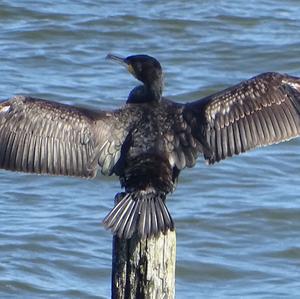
x=154 y=90
x=146 y=93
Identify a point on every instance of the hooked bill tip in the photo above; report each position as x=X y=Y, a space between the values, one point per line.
x=116 y=58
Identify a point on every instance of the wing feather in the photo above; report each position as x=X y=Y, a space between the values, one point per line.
x=257 y=112
x=46 y=137
x=218 y=142
x=224 y=143
x=237 y=140
x=231 y=144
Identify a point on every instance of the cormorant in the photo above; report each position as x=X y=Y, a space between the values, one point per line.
x=148 y=141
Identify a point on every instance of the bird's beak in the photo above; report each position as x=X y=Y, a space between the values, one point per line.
x=122 y=61
x=118 y=59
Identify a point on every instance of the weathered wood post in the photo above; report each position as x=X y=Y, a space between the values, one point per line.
x=144 y=268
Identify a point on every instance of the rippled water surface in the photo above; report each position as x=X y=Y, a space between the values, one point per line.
x=238 y=223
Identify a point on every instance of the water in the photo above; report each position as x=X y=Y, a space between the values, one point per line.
x=237 y=223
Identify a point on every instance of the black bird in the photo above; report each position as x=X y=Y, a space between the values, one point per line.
x=148 y=141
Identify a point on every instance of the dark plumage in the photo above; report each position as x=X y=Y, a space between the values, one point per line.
x=148 y=141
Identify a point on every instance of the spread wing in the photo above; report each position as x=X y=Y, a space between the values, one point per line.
x=40 y=136
x=257 y=112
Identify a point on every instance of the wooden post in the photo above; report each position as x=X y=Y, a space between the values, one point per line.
x=144 y=268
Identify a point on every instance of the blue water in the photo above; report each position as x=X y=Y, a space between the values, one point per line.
x=237 y=222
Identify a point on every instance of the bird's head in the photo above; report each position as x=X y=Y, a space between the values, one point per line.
x=143 y=67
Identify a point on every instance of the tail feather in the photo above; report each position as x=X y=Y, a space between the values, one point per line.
x=115 y=214
x=130 y=225
x=127 y=214
x=140 y=212
x=165 y=212
x=154 y=217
